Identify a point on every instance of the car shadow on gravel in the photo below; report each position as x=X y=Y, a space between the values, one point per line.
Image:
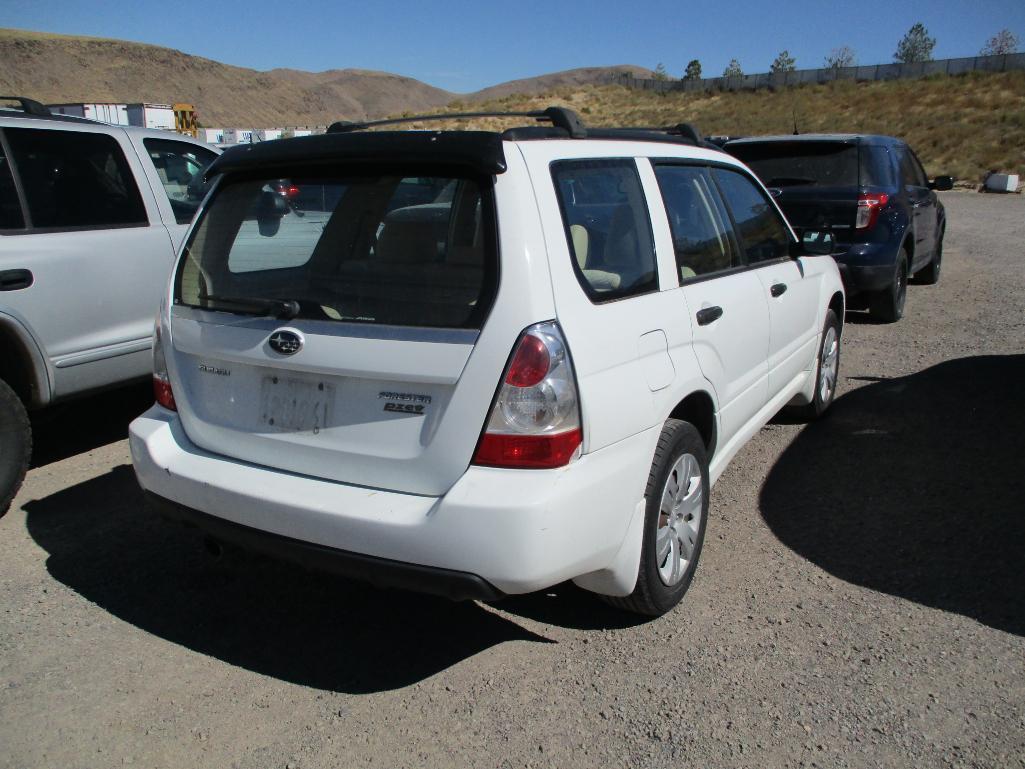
x=915 y=487
x=269 y=617
x=87 y=423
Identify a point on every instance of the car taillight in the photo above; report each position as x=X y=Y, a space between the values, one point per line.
x=291 y=191
x=161 y=382
x=869 y=206
x=535 y=420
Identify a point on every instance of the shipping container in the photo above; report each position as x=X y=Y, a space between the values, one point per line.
x=115 y=114
x=151 y=116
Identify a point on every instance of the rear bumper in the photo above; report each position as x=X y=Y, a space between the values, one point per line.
x=864 y=278
x=495 y=531
x=866 y=267
x=455 y=585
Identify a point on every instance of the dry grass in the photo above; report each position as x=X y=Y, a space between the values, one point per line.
x=962 y=125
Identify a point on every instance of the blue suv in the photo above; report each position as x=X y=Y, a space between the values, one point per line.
x=873 y=193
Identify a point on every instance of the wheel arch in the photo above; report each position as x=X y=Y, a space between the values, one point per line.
x=836 y=304
x=22 y=366
x=698 y=408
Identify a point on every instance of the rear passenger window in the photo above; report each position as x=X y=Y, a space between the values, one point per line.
x=759 y=225
x=876 y=167
x=75 y=180
x=10 y=208
x=702 y=237
x=607 y=227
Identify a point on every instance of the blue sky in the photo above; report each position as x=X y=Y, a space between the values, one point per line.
x=463 y=46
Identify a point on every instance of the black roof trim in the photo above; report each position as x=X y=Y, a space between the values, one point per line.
x=560 y=117
x=474 y=151
x=28 y=106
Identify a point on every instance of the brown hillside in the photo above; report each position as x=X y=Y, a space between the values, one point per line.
x=961 y=125
x=569 y=78
x=63 y=68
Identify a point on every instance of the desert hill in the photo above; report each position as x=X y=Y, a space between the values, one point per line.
x=67 y=68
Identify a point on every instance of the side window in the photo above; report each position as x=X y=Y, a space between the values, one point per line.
x=75 y=180
x=919 y=171
x=607 y=227
x=11 y=217
x=876 y=167
x=911 y=173
x=761 y=229
x=702 y=236
x=180 y=167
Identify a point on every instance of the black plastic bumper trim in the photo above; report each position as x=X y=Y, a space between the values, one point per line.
x=380 y=572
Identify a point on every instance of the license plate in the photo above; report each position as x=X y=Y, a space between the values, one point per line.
x=296 y=405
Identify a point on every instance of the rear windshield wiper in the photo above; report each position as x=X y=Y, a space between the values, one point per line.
x=276 y=308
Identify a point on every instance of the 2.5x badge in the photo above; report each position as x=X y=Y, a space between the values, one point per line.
x=405 y=403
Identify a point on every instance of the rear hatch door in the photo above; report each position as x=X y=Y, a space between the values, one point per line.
x=816 y=183
x=322 y=324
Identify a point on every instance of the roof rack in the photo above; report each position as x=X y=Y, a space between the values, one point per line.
x=28 y=106
x=559 y=117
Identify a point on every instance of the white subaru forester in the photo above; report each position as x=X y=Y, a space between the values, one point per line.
x=478 y=363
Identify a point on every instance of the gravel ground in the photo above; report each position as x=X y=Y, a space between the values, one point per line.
x=859 y=601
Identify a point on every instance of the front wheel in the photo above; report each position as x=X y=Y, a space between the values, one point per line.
x=676 y=514
x=15 y=445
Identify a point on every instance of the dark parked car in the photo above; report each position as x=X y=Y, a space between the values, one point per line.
x=873 y=193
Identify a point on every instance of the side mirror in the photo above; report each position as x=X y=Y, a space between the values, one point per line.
x=270 y=209
x=814 y=243
x=942 y=183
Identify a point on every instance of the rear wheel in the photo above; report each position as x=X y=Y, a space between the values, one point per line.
x=930 y=274
x=676 y=514
x=888 y=305
x=827 y=371
x=15 y=445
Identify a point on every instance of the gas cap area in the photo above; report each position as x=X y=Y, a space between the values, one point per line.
x=653 y=354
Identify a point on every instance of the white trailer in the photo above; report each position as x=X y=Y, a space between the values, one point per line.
x=115 y=114
x=151 y=116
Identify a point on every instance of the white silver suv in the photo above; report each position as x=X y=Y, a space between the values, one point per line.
x=477 y=363
x=91 y=218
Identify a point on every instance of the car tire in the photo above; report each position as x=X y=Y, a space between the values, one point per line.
x=930 y=274
x=887 y=305
x=827 y=371
x=15 y=445
x=676 y=514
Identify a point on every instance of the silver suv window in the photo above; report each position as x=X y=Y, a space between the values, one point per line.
x=384 y=249
x=180 y=166
x=75 y=180
x=11 y=217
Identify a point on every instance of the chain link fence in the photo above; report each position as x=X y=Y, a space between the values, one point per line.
x=1001 y=63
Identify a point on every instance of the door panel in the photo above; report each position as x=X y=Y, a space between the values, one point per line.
x=792 y=293
x=731 y=349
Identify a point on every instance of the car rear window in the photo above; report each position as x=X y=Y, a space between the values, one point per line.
x=805 y=163
x=387 y=249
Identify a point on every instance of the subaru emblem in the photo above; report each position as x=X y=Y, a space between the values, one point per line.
x=286 y=342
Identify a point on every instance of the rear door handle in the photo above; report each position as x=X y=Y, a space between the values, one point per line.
x=708 y=315
x=778 y=289
x=13 y=280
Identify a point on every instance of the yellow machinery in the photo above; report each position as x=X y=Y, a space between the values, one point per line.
x=185 y=120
